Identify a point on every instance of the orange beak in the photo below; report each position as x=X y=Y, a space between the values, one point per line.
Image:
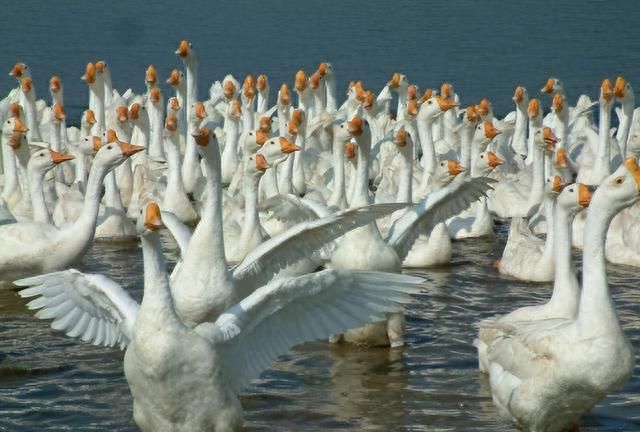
x=584 y=195
x=261 y=137
x=90 y=117
x=314 y=80
x=58 y=112
x=548 y=87
x=249 y=87
x=632 y=166
x=261 y=163
x=235 y=108
x=229 y=89
x=14 y=110
x=100 y=66
x=183 y=49
x=322 y=69
x=174 y=78
x=557 y=103
x=111 y=136
x=89 y=74
x=518 y=95
x=199 y=110
x=122 y=114
x=619 y=88
x=549 y=138
x=534 y=108
x=152 y=219
x=445 y=104
x=472 y=115
x=607 y=90
x=561 y=158
x=16 y=72
x=483 y=107
x=58 y=158
x=454 y=168
x=265 y=124
x=446 y=91
x=18 y=127
x=428 y=94
x=355 y=126
x=490 y=131
x=54 y=84
x=557 y=184
x=171 y=123
x=350 y=150
x=97 y=143
x=134 y=112
x=412 y=108
x=285 y=96
x=154 y=95
x=494 y=161
x=287 y=146
x=395 y=81
x=261 y=83
x=202 y=136
x=129 y=149
x=174 y=104
x=26 y=85
x=401 y=138
x=300 y=81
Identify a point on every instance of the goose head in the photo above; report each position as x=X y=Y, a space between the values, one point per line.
x=398 y=82
x=13 y=127
x=122 y=114
x=185 y=50
x=88 y=119
x=19 y=71
x=300 y=81
x=171 y=124
x=206 y=141
x=553 y=185
x=277 y=149
x=325 y=69
x=173 y=105
x=151 y=76
x=57 y=113
x=341 y=132
x=16 y=111
x=574 y=197
x=114 y=152
x=446 y=171
x=552 y=86
x=90 y=75
x=55 y=85
x=254 y=140
x=45 y=159
x=155 y=97
x=176 y=78
x=256 y=165
x=485 y=132
x=521 y=97
x=88 y=145
x=102 y=69
x=484 y=109
x=486 y=162
x=558 y=104
x=315 y=82
x=534 y=112
x=284 y=96
x=150 y=219
x=447 y=92
x=26 y=85
x=198 y=112
x=561 y=159
x=297 y=122
x=412 y=108
x=426 y=95
x=262 y=84
x=471 y=116
x=249 y=87
x=369 y=101
x=434 y=107
x=622 y=188
x=402 y=138
x=606 y=93
x=623 y=91
x=545 y=139
x=137 y=114
x=230 y=87
x=234 y=111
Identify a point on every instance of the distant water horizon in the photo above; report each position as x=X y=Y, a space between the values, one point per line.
x=483 y=49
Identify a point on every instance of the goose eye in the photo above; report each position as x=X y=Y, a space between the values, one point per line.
x=430 y=102
x=109 y=147
x=571 y=190
x=8 y=121
x=250 y=133
x=482 y=157
x=341 y=126
x=619 y=180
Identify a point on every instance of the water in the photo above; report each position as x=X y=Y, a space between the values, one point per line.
x=48 y=382
x=51 y=383
x=484 y=48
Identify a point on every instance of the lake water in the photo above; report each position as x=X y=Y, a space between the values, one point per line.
x=49 y=382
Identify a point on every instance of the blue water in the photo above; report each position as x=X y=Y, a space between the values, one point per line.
x=48 y=382
x=484 y=48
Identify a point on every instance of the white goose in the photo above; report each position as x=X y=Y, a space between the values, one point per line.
x=566 y=290
x=184 y=378
x=545 y=374
x=36 y=247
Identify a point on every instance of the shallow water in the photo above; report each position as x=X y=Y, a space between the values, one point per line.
x=49 y=382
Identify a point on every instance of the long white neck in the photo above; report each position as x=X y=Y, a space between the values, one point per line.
x=111 y=192
x=601 y=163
x=269 y=183
x=566 y=289
x=402 y=102
x=11 y=182
x=230 y=152
x=562 y=128
x=520 y=132
x=537 y=184
x=174 y=178
x=549 y=204
x=298 y=179
x=405 y=175
x=28 y=103
x=361 y=193
x=157 y=303
x=466 y=135
x=191 y=67
x=248 y=115
x=330 y=86
x=251 y=234
x=181 y=95
x=534 y=125
x=425 y=128
x=108 y=87
x=81 y=172
x=156 y=147
x=97 y=91
x=338 y=198
x=190 y=162
x=263 y=100
x=36 y=191
x=285 y=175
x=597 y=312
x=622 y=135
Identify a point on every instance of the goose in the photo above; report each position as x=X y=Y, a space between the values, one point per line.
x=175 y=197
x=12 y=131
x=623 y=93
x=545 y=374
x=566 y=290
x=178 y=82
x=156 y=121
x=57 y=96
x=519 y=142
x=202 y=285
x=96 y=97
x=477 y=221
x=190 y=164
x=231 y=136
x=33 y=247
x=166 y=360
x=28 y=103
x=262 y=85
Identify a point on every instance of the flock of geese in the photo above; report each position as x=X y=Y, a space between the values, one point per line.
x=260 y=196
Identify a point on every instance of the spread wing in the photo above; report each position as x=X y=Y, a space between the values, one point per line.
x=90 y=307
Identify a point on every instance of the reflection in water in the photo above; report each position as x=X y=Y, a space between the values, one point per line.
x=431 y=384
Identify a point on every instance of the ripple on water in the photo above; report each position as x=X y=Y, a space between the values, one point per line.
x=51 y=383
